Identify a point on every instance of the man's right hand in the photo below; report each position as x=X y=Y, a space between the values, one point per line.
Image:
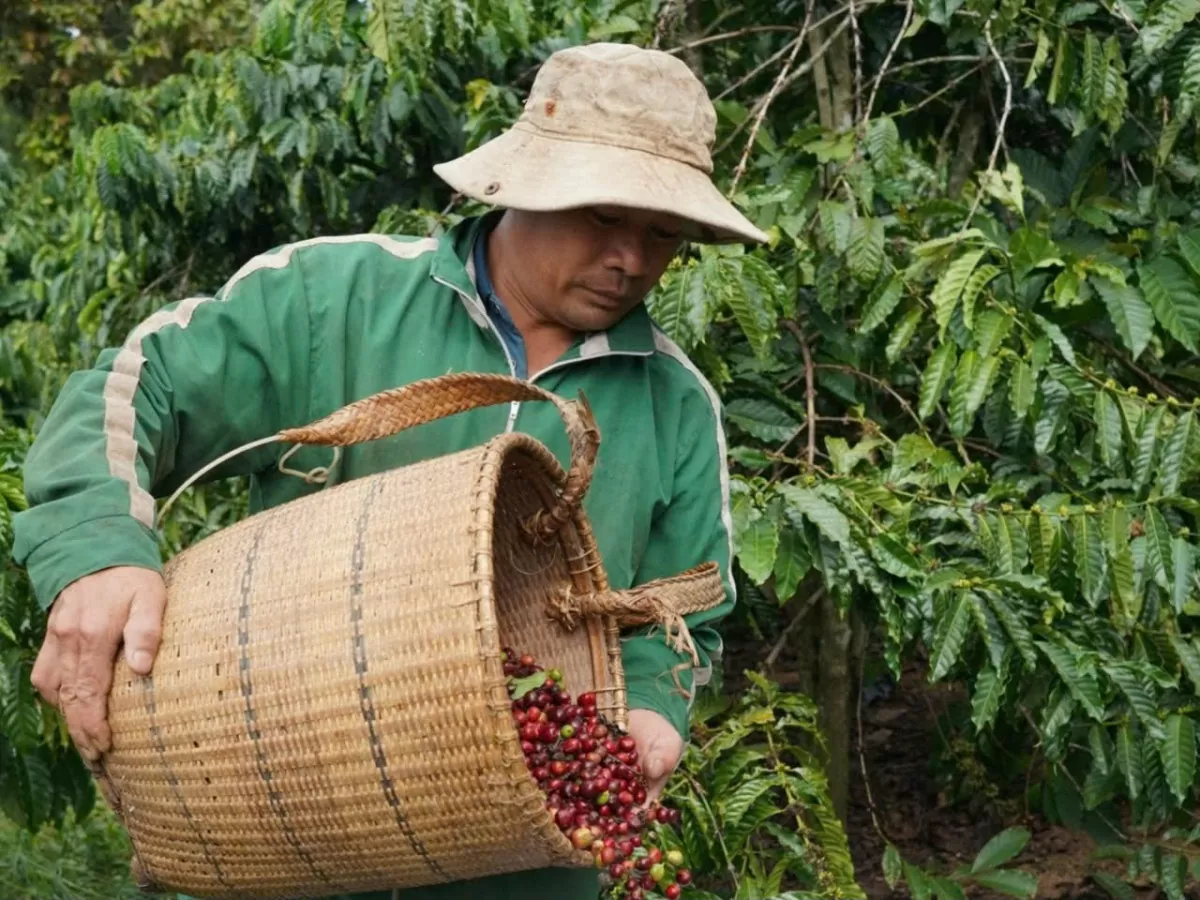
x=88 y=623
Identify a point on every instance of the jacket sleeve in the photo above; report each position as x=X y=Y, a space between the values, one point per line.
x=693 y=528
x=198 y=378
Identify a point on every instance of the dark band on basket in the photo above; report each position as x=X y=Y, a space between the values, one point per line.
x=365 y=702
x=252 y=729
x=173 y=781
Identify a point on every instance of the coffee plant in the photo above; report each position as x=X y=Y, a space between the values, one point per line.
x=960 y=382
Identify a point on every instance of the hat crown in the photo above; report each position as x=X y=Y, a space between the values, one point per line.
x=624 y=96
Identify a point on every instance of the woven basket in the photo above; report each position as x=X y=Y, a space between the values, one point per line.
x=327 y=712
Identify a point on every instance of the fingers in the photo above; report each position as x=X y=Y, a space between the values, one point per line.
x=143 y=631
x=84 y=691
x=47 y=675
x=660 y=745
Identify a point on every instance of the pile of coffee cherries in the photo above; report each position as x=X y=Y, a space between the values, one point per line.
x=595 y=790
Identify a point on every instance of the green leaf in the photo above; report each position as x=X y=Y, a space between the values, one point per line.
x=1089 y=559
x=1109 y=433
x=1185 y=569
x=1167 y=20
x=1017 y=631
x=792 y=563
x=1113 y=886
x=1057 y=338
x=1174 y=873
x=1137 y=691
x=982 y=383
x=1121 y=564
x=519 y=687
x=936 y=377
x=1159 y=557
x=992 y=633
x=1022 y=388
x=1143 y=460
x=993 y=328
x=1172 y=296
x=893 y=557
x=903 y=333
x=756 y=547
x=1045 y=429
x=1083 y=688
x=830 y=520
x=1175 y=453
x=976 y=283
x=836 y=224
x=865 y=252
x=1132 y=318
x=1129 y=760
x=892 y=871
x=1189 y=657
x=961 y=416
x=883 y=142
x=1010 y=882
x=883 y=301
x=950 y=285
x=1179 y=755
x=987 y=697
x=1044 y=542
x=952 y=633
x=761 y=418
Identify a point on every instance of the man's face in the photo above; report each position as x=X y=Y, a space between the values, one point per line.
x=585 y=269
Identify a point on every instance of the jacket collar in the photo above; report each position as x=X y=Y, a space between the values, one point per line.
x=452 y=266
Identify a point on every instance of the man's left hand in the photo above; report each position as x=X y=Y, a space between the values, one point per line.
x=659 y=746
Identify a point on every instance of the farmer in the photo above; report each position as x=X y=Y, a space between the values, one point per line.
x=597 y=186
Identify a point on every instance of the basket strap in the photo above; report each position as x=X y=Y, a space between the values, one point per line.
x=664 y=601
x=389 y=412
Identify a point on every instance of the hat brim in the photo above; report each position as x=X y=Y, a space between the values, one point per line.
x=529 y=170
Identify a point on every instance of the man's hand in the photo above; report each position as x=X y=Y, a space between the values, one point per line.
x=659 y=746
x=87 y=623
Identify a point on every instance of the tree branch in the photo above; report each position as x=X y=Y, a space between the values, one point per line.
x=804 y=610
x=810 y=390
x=857 y=62
x=859 y=373
x=766 y=102
x=1008 y=93
x=887 y=60
x=729 y=36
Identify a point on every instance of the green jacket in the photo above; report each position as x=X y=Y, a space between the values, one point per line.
x=305 y=329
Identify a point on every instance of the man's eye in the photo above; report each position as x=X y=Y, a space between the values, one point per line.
x=664 y=234
x=606 y=220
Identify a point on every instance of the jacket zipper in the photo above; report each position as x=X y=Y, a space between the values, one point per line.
x=515 y=406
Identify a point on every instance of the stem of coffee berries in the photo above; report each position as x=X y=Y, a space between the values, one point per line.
x=590 y=772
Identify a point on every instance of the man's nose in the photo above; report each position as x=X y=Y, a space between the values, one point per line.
x=627 y=253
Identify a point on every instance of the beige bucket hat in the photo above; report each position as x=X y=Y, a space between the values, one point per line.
x=608 y=124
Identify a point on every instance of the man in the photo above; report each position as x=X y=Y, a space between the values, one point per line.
x=603 y=177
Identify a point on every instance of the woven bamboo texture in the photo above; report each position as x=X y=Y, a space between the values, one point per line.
x=327 y=712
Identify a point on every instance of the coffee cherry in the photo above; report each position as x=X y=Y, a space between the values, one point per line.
x=582 y=838
x=658 y=871
x=675 y=858
x=672 y=892
x=683 y=876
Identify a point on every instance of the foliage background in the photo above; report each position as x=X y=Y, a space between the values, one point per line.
x=961 y=381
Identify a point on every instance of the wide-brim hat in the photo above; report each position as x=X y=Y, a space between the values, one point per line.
x=608 y=124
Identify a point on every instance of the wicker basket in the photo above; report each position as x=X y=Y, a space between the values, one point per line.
x=327 y=712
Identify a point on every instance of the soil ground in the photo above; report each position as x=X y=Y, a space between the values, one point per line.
x=899 y=743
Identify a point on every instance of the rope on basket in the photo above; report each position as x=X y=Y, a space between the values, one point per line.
x=569 y=609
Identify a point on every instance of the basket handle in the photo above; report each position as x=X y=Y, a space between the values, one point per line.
x=664 y=601
x=389 y=412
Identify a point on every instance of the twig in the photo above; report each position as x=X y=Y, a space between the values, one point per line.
x=1127 y=362
x=1120 y=8
x=810 y=390
x=862 y=756
x=887 y=60
x=1008 y=93
x=729 y=36
x=953 y=83
x=884 y=71
x=801 y=70
x=857 y=62
x=804 y=610
x=858 y=373
x=662 y=22
x=753 y=73
x=771 y=95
